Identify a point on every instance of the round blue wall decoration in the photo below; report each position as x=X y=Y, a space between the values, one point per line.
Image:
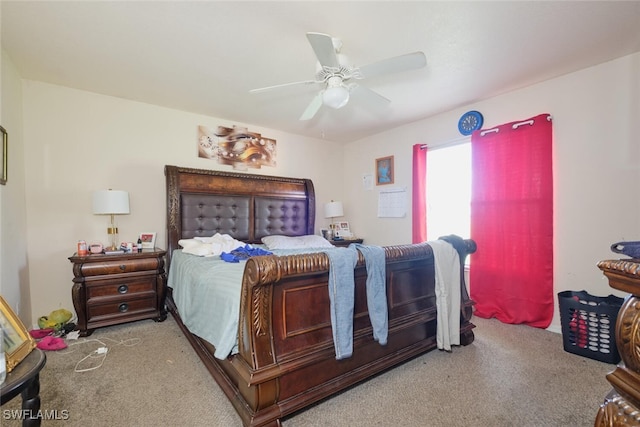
x=469 y=122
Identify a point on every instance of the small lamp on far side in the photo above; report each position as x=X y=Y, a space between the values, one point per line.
x=111 y=202
x=333 y=210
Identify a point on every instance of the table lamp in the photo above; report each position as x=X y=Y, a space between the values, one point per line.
x=111 y=202
x=333 y=210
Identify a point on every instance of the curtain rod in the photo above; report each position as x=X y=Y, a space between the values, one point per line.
x=514 y=126
x=465 y=139
x=449 y=143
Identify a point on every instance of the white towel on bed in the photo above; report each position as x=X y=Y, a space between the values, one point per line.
x=448 y=295
x=210 y=246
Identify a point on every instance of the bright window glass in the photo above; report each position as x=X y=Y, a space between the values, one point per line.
x=449 y=191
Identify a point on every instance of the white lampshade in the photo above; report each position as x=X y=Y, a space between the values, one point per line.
x=111 y=202
x=107 y=202
x=333 y=209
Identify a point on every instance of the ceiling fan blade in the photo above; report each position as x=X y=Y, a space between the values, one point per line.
x=268 y=88
x=410 y=61
x=322 y=45
x=367 y=95
x=312 y=108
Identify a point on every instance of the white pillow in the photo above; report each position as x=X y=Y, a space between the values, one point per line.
x=210 y=246
x=199 y=249
x=188 y=243
x=296 y=242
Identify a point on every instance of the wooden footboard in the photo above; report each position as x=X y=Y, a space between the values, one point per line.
x=286 y=358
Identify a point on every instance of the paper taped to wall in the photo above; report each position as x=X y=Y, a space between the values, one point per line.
x=392 y=203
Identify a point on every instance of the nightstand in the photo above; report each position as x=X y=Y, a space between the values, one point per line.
x=113 y=289
x=344 y=243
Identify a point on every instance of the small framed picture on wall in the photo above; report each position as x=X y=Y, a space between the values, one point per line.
x=384 y=170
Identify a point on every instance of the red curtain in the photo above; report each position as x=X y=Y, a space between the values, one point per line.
x=511 y=276
x=419 y=195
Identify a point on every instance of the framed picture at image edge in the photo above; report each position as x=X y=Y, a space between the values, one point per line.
x=16 y=341
x=384 y=170
x=3 y=164
x=148 y=240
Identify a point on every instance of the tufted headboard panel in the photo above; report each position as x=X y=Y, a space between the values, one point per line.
x=248 y=207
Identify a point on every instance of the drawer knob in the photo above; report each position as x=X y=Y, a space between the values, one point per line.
x=123 y=307
x=123 y=267
x=123 y=289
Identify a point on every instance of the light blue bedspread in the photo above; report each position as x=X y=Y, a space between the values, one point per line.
x=207 y=290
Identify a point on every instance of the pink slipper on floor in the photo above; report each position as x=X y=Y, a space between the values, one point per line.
x=50 y=343
x=40 y=333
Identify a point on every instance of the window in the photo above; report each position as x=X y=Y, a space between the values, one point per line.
x=449 y=191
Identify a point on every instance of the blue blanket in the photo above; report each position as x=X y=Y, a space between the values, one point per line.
x=243 y=253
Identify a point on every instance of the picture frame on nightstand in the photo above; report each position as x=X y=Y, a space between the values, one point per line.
x=343 y=230
x=148 y=240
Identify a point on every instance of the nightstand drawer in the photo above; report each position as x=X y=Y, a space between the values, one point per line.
x=119 y=266
x=121 y=307
x=117 y=288
x=120 y=288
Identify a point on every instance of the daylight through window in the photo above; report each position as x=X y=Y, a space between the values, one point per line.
x=449 y=191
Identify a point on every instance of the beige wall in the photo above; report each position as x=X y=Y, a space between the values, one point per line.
x=14 y=268
x=596 y=162
x=77 y=142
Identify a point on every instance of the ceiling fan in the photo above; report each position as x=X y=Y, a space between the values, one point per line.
x=336 y=76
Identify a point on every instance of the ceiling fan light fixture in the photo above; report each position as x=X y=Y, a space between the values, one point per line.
x=334 y=72
x=335 y=95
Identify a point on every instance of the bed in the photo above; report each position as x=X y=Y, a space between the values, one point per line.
x=285 y=358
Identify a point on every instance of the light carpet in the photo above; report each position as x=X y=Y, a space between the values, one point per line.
x=511 y=375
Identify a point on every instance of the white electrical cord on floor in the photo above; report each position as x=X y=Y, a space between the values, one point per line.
x=100 y=353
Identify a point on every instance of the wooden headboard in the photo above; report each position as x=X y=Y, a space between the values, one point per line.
x=248 y=207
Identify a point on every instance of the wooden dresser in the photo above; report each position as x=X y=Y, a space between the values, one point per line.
x=113 y=289
x=621 y=406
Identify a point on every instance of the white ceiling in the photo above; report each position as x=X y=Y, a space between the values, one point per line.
x=205 y=56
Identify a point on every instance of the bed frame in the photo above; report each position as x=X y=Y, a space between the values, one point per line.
x=286 y=358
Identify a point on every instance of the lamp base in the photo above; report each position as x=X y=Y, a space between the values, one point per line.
x=113 y=237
